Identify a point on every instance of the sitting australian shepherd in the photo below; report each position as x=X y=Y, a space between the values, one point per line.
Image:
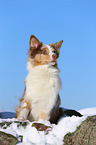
x=42 y=85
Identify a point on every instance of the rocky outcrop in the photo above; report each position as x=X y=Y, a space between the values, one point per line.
x=7 y=139
x=84 y=135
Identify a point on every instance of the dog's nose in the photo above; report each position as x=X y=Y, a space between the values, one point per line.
x=54 y=56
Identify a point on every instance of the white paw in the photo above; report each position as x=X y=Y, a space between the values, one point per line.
x=21 y=118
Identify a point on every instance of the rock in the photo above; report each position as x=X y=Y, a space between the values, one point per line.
x=84 y=135
x=7 y=139
x=42 y=127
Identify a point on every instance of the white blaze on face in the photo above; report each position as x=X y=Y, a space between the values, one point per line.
x=50 y=50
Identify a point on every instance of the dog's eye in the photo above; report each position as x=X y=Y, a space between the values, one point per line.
x=44 y=51
x=54 y=51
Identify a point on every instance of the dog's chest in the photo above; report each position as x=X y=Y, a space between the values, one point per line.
x=42 y=83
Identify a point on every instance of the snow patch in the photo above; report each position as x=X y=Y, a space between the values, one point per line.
x=32 y=136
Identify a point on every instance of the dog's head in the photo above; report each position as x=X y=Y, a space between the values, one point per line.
x=41 y=54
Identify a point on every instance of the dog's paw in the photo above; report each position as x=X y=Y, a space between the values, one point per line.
x=21 y=118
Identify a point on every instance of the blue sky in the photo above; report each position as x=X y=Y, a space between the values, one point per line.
x=50 y=21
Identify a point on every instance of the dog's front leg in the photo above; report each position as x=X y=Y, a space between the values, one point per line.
x=24 y=110
x=43 y=115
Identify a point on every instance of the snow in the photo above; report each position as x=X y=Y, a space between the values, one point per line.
x=55 y=136
x=88 y=111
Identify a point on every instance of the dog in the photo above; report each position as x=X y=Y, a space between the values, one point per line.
x=41 y=98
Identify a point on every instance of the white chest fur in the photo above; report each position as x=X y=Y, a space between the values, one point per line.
x=42 y=88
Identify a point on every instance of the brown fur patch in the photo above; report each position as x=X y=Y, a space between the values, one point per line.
x=41 y=59
x=33 y=51
x=57 y=46
x=28 y=105
x=18 y=109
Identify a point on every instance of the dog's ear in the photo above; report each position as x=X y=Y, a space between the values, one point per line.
x=34 y=42
x=57 y=45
